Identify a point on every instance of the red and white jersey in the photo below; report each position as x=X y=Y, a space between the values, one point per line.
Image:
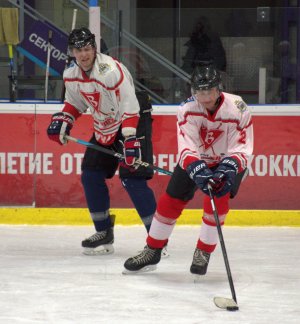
x=226 y=133
x=109 y=94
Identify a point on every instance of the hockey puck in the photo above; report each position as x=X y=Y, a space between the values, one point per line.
x=232 y=308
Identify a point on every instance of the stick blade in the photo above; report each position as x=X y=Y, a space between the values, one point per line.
x=148 y=268
x=226 y=303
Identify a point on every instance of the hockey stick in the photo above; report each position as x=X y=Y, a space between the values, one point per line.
x=74 y=19
x=12 y=73
x=48 y=64
x=222 y=302
x=116 y=154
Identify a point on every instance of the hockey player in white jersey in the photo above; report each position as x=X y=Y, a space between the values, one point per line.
x=103 y=85
x=215 y=140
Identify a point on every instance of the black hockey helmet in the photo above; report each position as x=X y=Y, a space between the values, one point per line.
x=205 y=77
x=81 y=37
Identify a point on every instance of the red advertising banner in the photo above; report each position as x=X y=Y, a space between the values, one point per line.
x=36 y=171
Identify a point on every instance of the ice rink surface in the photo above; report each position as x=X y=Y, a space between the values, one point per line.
x=45 y=278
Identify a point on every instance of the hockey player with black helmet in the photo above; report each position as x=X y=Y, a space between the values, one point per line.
x=215 y=141
x=97 y=82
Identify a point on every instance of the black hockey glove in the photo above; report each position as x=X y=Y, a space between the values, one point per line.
x=200 y=173
x=61 y=124
x=224 y=176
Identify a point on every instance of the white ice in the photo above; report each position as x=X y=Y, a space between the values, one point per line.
x=44 y=278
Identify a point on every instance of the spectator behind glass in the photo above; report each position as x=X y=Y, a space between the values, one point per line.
x=204 y=46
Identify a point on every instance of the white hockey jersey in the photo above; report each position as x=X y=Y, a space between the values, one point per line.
x=109 y=94
x=226 y=133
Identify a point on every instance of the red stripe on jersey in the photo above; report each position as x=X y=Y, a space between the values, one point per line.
x=121 y=79
x=130 y=115
x=70 y=109
x=189 y=160
x=84 y=75
x=186 y=150
x=241 y=159
x=189 y=113
x=86 y=79
x=94 y=80
x=130 y=122
x=248 y=125
x=105 y=128
x=105 y=139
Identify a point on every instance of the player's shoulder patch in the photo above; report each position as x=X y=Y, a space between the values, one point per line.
x=70 y=70
x=241 y=105
x=190 y=99
x=71 y=65
x=103 y=68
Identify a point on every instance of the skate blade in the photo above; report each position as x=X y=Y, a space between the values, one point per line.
x=226 y=303
x=99 y=250
x=148 y=268
x=197 y=278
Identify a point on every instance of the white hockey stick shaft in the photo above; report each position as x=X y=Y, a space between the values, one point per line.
x=74 y=19
x=48 y=64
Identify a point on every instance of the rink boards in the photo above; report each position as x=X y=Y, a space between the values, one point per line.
x=38 y=173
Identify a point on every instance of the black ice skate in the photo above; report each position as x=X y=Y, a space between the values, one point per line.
x=164 y=252
x=143 y=262
x=200 y=262
x=100 y=242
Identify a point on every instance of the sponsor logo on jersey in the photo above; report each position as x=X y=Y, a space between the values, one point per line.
x=104 y=139
x=93 y=98
x=211 y=159
x=107 y=121
x=209 y=137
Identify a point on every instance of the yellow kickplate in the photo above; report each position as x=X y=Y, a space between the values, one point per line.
x=124 y=216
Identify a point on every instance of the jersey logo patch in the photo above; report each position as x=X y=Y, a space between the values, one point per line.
x=240 y=105
x=104 y=68
x=209 y=137
x=93 y=98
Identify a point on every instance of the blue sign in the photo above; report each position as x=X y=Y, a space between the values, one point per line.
x=35 y=47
